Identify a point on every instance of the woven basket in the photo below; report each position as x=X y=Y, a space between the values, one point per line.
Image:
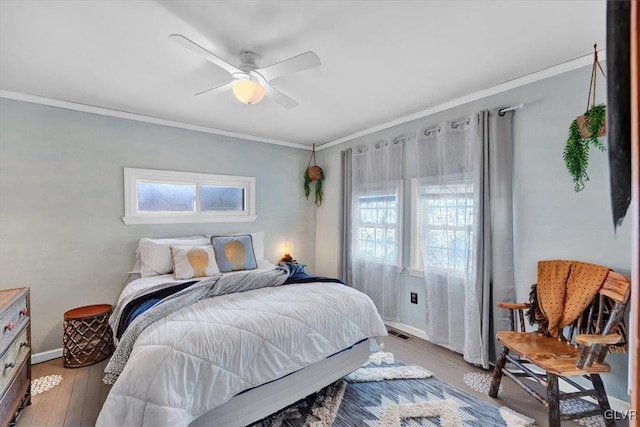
x=314 y=172
x=584 y=129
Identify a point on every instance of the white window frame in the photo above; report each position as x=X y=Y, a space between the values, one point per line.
x=415 y=260
x=400 y=225
x=134 y=175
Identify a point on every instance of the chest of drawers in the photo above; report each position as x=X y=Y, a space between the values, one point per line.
x=15 y=353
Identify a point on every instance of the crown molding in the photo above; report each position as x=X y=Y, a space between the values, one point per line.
x=51 y=102
x=562 y=68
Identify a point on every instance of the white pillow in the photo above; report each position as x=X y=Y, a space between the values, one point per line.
x=155 y=254
x=257 y=239
x=193 y=262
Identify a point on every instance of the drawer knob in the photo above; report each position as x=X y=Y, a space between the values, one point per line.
x=9 y=365
x=8 y=326
x=24 y=311
x=24 y=344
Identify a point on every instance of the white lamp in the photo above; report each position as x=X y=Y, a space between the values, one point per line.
x=248 y=91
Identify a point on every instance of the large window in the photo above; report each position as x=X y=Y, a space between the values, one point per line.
x=163 y=197
x=447 y=226
x=379 y=228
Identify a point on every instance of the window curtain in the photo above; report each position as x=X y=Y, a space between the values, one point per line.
x=372 y=203
x=466 y=231
x=345 y=229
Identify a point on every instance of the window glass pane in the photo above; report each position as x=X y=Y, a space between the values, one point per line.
x=449 y=215
x=378 y=230
x=161 y=197
x=221 y=198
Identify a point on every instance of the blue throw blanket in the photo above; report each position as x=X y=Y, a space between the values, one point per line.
x=296 y=274
x=141 y=304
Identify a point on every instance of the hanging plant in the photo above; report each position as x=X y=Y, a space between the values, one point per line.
x=313 y=173
x=584 y=133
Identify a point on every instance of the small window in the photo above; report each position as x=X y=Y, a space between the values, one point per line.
x=161 y=197
x=171 y=197
x=221 y=198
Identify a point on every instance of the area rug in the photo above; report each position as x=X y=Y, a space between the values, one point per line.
x=42 y=384
x=383 y=394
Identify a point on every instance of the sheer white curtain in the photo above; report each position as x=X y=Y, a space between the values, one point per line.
x=465 y=225
x=375 y=223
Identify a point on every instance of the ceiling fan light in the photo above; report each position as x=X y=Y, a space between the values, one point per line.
x=248 y=91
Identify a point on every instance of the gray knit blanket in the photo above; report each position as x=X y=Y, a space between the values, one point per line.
x=207 y=288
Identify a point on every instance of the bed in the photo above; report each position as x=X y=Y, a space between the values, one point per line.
x=235 y=358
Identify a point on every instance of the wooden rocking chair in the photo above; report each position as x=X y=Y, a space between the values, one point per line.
x=598 y=330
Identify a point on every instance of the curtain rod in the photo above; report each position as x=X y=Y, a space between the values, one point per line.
x=515 y=107
x=500 y=113
x=455 y=124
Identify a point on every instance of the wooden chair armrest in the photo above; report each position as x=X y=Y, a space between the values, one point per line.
x=514 y=305
x=589 y=339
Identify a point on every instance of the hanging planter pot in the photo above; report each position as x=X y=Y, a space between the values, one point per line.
x=313 y=174
x=584 y=133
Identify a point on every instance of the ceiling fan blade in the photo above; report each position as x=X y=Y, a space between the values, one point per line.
x=218 y=89
x=279 y=97
x=196 y=48
x=301 y=62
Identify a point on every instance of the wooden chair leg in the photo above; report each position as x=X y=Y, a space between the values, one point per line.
x=553 y=400
x=497 y=373
x=603 y=401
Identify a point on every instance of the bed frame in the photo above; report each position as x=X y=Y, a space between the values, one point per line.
x=260 y=402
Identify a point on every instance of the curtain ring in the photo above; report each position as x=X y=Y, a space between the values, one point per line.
x=381 y=144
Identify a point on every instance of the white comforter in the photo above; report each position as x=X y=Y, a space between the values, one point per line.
x=199 y=357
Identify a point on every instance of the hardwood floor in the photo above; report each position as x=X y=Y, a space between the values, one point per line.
x=77 y=400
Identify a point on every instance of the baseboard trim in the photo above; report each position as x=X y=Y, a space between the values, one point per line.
x=616 y=404
x=46 y=355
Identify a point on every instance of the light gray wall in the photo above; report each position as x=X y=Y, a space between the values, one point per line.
x=550 y=219
x=61 y=202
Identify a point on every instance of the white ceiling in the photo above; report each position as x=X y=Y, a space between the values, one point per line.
x=380 y=60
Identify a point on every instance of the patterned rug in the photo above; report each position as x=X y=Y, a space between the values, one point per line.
x=42 y=384
x=387 y=393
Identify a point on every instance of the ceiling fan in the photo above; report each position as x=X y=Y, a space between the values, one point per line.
x=250 y=84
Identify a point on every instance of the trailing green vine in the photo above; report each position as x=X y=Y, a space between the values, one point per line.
x=307 y=184
x=576 y=152
x=319 y=190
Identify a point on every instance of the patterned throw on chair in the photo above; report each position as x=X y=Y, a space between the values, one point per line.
x=565 y=289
